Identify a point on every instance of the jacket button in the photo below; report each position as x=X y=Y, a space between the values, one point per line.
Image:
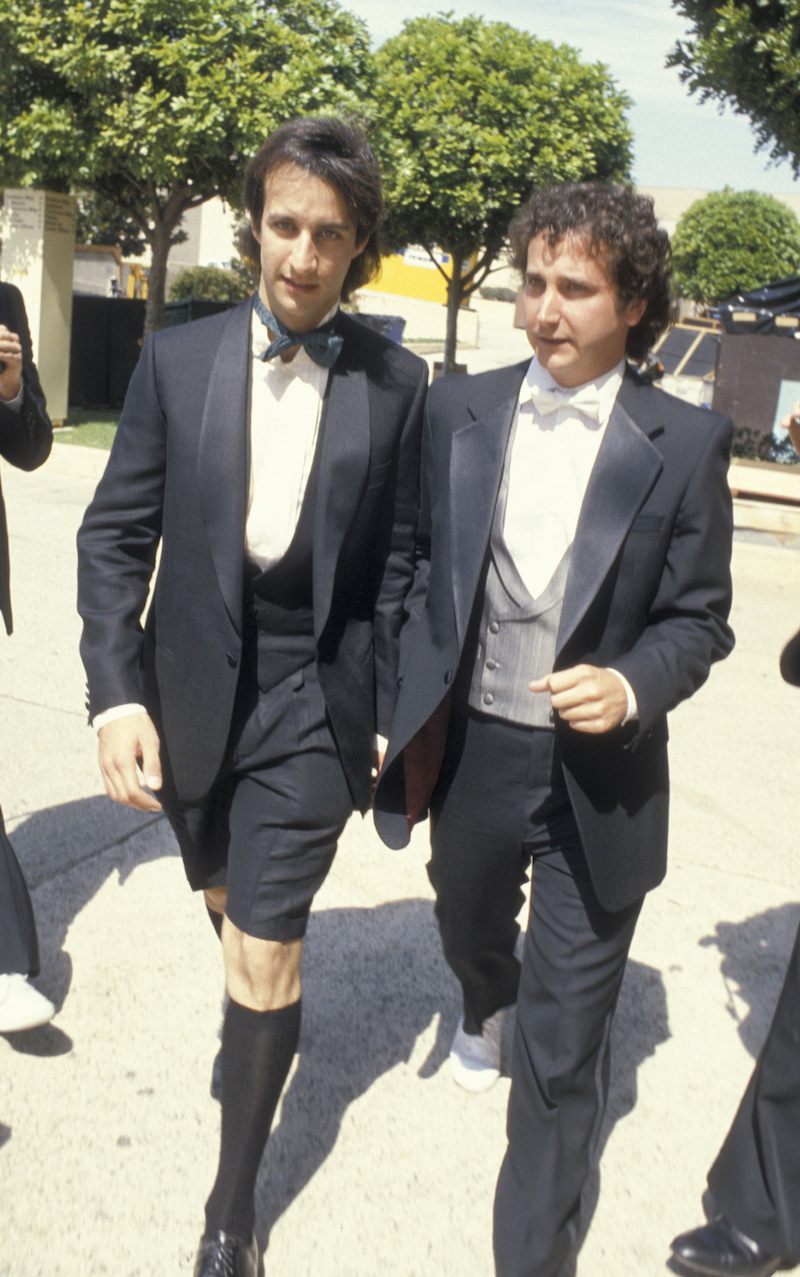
x=232 y=659
x=448 y=676
x=494 y=627
x=488 y=699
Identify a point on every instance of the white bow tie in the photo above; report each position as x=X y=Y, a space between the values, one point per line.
x=584 y=401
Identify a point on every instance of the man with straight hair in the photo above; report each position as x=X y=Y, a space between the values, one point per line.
x=274 y=452
x=575 y=537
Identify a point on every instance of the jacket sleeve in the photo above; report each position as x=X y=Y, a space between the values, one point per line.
x=393 y=601
x=687 y=626
x=117 y=545
x=26 y=433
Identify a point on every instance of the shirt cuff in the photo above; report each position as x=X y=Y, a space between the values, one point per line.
x=116 y=711
x=632 y=712
x=14 y=404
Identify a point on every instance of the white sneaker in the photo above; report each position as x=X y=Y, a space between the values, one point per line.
x=475 y=1057
x=22 y=1006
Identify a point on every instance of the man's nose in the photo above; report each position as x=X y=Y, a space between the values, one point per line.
x=548 y=307
x=304 y=253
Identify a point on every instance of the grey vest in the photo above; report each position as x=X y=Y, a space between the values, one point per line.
x=516 y=640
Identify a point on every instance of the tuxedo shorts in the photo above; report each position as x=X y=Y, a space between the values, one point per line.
x=269 y=827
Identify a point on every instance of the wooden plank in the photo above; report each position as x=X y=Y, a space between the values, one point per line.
x=776 y=482
x=761 y=516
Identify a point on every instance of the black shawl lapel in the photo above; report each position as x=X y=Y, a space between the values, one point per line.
x=344 y=462
x=223 y=457
x=476 y=466
x=626 y=468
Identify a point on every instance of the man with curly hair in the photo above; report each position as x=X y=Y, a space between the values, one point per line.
x=574 y=546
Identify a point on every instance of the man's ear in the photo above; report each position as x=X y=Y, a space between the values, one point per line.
x=256 y=230
x=634 y=311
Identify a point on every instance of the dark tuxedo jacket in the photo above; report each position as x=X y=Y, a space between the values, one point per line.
x=648 y=593
x=178 y=473
x=25 y=436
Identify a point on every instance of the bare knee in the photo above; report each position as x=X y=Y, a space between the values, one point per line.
x=216 y=898
x=261 y=974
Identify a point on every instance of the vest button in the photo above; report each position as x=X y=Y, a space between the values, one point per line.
x=491 y=665
x=448 y=676
x=488 y=699
x=494 y=627
x=232 y=659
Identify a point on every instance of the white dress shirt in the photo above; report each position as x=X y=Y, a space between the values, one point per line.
x=552 y=456
x=285 y=411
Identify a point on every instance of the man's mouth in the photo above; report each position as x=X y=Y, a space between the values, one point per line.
x=296 y=286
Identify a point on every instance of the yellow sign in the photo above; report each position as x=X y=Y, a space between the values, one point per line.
x=411 y=273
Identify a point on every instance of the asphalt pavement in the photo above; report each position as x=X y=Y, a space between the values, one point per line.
x=378 y=1163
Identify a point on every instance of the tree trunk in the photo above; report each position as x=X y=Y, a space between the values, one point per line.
x=453 y=303
x=160 y=244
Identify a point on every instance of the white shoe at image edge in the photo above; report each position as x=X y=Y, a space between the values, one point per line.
x=22 y=1006
x=475 y=1057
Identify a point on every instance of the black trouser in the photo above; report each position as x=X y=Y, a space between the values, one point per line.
x=756 y=1177
x=501 y=806
x=19 y=948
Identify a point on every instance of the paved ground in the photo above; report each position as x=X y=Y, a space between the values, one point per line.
x=378 y=1164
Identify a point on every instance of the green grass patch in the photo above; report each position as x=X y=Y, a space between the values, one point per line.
x=90 y=427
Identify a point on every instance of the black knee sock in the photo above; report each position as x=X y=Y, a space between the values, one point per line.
x=257 y=1052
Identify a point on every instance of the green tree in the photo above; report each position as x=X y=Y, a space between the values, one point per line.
x=470 y=116
x=101 y=221
x=747 y=53
x=155 y=105
x=211 y=283
x=732 y=241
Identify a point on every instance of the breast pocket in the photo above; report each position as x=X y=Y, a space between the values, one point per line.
x=652 y=523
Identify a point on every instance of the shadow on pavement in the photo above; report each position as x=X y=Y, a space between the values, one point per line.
x=373 y=981
x=754 y=957
x=87 y=839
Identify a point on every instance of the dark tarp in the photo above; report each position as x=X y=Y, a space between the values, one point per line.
x=779 y=298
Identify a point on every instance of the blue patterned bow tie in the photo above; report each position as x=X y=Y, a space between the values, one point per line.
x=584 y=401
x=321 y=344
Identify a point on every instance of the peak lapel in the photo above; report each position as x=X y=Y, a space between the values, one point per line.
x=223 y=457
x=476 y=466
x=626 y=468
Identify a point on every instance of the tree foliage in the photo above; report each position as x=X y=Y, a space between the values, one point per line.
x=155 y=105
x=470 y=116
x=747 y=53
x=211 y=283
x=733 y=241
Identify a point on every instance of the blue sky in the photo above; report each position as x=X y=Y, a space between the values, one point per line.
x=677 y=141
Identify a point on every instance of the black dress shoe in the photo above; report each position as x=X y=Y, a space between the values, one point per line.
x=223 y=1255
x=720 y=1250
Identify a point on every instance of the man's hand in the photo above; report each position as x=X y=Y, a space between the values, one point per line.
x=588 y=697
x=124 y=742
x=11 y=356
x=791 y=422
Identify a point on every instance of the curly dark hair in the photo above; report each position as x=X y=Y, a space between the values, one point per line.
x=338 y=151
x=614 y=220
